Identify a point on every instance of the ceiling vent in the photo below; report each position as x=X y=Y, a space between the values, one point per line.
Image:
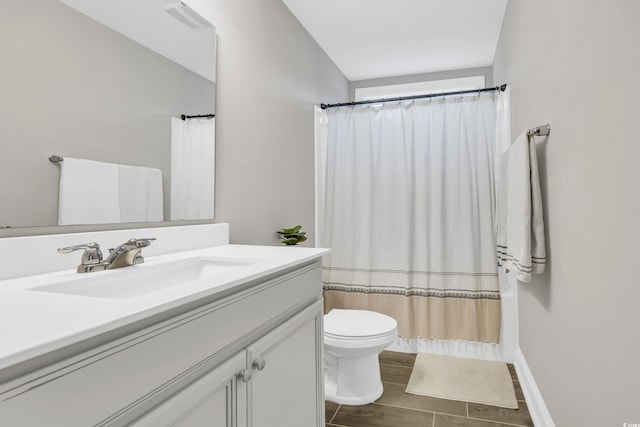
x=189 y=17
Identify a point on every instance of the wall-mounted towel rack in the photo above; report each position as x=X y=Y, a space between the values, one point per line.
x=542 y=130
x=55 y=159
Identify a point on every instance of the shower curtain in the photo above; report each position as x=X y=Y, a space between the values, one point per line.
x=192 y=168
x=408 y=207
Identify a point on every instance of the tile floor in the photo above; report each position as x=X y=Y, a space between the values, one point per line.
x=397 y=409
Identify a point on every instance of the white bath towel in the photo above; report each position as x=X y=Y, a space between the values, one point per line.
x=140 y=194
x=520 y=226
x=89 y=192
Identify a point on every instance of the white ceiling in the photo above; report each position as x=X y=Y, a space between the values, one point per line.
x=382 y=38
x=146 y=22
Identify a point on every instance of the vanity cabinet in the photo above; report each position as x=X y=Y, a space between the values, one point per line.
x=286 y=387
x=216 y=400
x=276 y=381
x=252 y=358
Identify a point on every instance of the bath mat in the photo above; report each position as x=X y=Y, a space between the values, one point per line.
x=468 y=380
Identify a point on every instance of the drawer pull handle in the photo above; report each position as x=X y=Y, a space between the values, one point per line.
x=259 y=364
x=244 y=376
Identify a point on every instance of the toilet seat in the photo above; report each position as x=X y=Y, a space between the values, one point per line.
x=358 y=324
x=358 y=329
x=368 y=337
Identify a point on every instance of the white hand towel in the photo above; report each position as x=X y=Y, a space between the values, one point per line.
x=520 y=233
x=140 y=194
x=88 y=192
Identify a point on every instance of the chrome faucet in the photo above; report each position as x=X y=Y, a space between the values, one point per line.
x=128 y=253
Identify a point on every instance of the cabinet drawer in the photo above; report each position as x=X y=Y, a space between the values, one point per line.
x=143 y=368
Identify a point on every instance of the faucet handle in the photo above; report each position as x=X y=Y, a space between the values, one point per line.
x=134 y=244
x=142 y=243
x=92 y=253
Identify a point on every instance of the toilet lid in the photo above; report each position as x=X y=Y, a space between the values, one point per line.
x=357 y=323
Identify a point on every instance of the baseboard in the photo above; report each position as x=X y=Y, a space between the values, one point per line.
x=537 y=408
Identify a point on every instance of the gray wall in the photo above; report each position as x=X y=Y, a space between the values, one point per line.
x=575 y=64
x=270 y=74
x=72 y=87
x=487 y=72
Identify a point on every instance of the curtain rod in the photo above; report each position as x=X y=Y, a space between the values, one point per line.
x=408 y=98
x=204 y=116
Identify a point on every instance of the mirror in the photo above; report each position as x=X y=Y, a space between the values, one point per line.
x=98 y=80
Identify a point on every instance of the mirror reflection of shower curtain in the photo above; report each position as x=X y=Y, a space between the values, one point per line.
x=192 y=168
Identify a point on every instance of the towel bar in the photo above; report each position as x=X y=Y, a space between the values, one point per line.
x=55 y=159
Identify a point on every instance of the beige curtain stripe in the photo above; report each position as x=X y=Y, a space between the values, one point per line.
x=428 y=317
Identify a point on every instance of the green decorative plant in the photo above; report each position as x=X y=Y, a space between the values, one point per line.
x=292 y=236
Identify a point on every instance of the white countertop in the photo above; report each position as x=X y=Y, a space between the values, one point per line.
x=33 y=323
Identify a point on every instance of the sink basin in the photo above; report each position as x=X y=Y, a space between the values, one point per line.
x=129 y=282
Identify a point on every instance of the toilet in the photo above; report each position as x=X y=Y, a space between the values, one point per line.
x=352 y=341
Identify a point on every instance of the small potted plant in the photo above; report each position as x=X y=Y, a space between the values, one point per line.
x=292 y=236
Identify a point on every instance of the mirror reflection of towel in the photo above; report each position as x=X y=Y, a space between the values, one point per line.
x=89 y=192
x=104 y=193
x=140 y=194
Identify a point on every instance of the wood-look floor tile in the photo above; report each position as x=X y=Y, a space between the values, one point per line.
x=518 y=416
x=395 y=374
x=453 y=421
x=330 y=409
x=397 y=408
x=397 y=358
x=512 y=371
x=518 y=390
x=375 y=415
x=394 y=395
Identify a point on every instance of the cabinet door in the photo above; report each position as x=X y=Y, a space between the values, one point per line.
x=286 y=388
x=216 y=400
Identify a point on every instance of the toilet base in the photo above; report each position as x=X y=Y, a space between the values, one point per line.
x=352 y=380
x=353 y=401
